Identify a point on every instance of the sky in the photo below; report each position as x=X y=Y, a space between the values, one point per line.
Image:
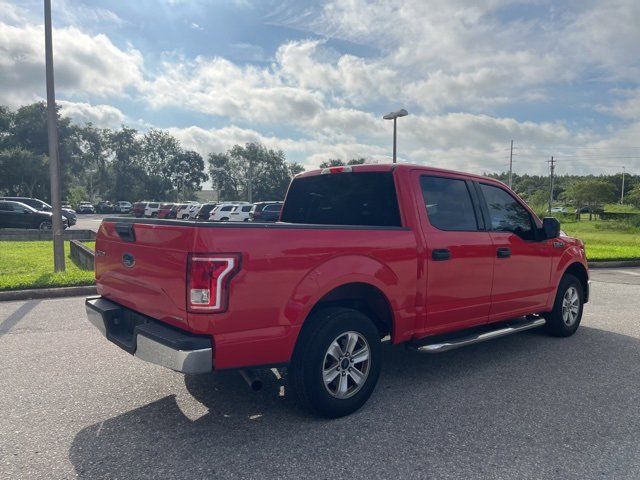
x=314 y=78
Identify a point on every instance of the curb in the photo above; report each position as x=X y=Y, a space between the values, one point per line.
x=47 y=293
x=615 y=264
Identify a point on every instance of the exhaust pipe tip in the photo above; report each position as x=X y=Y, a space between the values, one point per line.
x=252 y=380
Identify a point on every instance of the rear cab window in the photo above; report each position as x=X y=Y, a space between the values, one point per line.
x=346 y=198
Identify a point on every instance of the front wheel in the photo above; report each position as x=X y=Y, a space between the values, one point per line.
x=45 y=225
x=566 y=315
x=336 y=363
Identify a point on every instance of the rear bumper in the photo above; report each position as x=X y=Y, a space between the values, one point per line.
x=149 y=339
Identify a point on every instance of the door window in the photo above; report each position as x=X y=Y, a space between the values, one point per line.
x=448 y=203
x=506 y=213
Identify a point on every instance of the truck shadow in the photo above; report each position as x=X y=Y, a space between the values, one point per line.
x=496 y=405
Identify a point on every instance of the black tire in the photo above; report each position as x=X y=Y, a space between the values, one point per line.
x=311 y=353
x=224 y=219
x=45 y=225
x=562 y=321
x=154 y=214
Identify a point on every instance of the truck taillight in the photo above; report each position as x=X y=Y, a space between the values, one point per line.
x=208 y=278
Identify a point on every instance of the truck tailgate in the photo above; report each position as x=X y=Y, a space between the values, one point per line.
x=143 y=267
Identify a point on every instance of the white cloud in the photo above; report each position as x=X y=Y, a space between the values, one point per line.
x=103 y=116
x=85 y=66
x=219 y=87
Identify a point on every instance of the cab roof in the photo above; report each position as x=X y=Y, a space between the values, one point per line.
x=390 y=167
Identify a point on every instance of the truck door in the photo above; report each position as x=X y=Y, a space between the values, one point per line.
x=522 y=273
x=459 y=253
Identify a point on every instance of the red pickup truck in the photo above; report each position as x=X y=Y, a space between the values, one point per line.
x=431 y=258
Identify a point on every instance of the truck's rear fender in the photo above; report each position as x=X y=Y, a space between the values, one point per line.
x=356 y=278
x=574 y=262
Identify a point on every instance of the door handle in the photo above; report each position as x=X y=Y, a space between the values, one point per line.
x=440 y=254
x=504 y=252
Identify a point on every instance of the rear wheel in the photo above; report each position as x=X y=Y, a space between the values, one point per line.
x=566 y=315
x=337 y=362
x=45 y=225
x=224 y=219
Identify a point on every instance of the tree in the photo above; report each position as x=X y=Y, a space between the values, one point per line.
x=590 y=193
x=252 y=167
x=128 y=172
x=633 y=197
x=186 y=174
x=24 y=173
x=336 y=162
x=158 y=152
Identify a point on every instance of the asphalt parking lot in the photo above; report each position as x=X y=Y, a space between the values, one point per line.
x=89 y=221
x=525 y=406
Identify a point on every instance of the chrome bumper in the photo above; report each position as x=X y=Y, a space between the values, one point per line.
x=150 y=340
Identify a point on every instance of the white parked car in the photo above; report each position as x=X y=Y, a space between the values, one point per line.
x=122 y=207
x=151 y=210
x=222 y=212
x=188 y=211
x=240 y=213
x=559 y=210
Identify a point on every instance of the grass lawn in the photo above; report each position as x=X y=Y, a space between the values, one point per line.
x=605 y=243
x=26 y=265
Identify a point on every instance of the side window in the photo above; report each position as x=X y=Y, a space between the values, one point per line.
x=507 y=214
x=246 y=209
x=227 y=208
x=7 y=207
x=448 y=203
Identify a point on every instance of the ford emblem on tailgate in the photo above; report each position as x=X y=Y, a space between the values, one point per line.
x=128 y=260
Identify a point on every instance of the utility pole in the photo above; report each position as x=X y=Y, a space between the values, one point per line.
x=551 y=169
x=52 y=128
x=622 y=194
x=511 y=164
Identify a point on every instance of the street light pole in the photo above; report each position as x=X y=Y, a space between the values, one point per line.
x=54 y=168
x=622 y=194
x=394 y=116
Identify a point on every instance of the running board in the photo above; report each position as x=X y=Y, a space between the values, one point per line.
x=450 y=344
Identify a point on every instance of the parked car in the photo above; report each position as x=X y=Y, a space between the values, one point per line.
x=188 y=211
x=173 y=213
x=67 y=211
x=20 y=215
x=164 y=210
x=139 y=208
x=85 y=207
x=240 y=213
x=151 y=210
x=122 y=207
x=266 y=212
x=104 y=206
x=205 y=211
x=432 y=258
x=222 y=212
x=559 y=210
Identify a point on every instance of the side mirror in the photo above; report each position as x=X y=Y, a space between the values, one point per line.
x=551 y=227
